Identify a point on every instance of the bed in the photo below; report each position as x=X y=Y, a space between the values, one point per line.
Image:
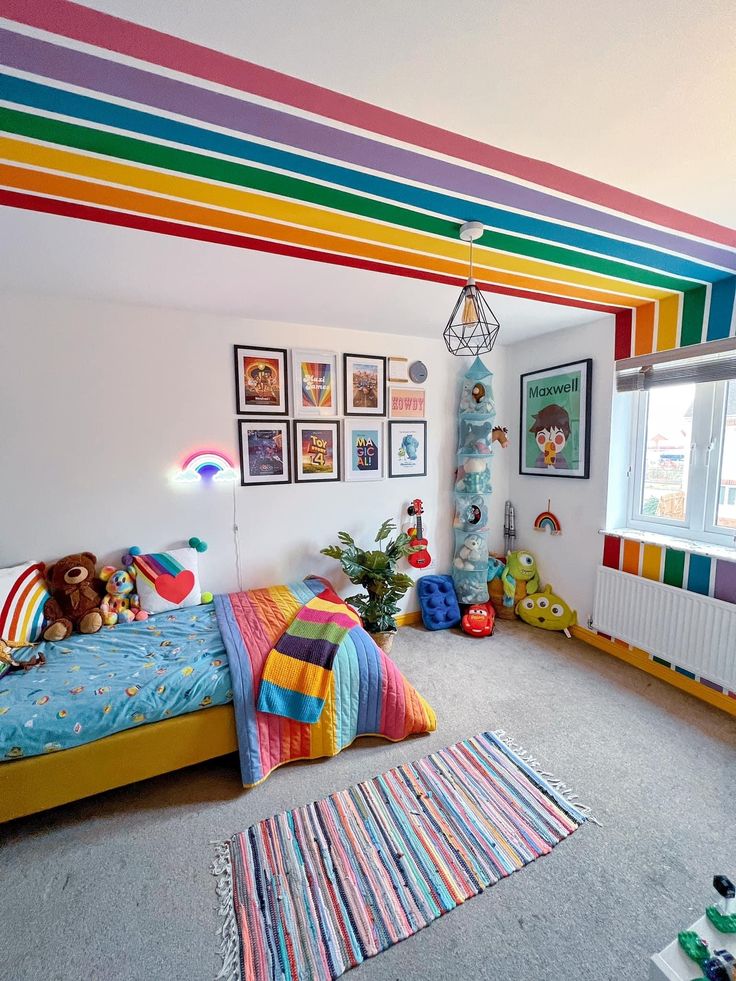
x=146 y=698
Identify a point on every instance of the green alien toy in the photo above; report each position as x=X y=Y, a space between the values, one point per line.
x=520 y=566
x=546 y=610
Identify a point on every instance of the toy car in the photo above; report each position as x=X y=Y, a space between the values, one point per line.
x=479 y=620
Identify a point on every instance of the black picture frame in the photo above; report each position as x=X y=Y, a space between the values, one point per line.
x=240 y=408
x=334 y=424
x=395 y=424
x=585 y=366
x=267 y=423
x=346 y=380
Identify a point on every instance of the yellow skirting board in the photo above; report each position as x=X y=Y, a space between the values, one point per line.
x=39 y=782
x=640 y=659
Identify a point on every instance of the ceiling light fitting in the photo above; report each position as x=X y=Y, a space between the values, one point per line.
x=472 y=327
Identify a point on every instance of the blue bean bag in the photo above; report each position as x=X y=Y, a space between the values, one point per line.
x=438 y=602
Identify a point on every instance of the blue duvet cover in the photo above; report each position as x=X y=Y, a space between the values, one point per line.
x=121 y=677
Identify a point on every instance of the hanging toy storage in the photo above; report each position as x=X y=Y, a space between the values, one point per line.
x=473 y=485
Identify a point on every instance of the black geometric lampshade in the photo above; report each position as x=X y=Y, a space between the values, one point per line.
x=472 y=327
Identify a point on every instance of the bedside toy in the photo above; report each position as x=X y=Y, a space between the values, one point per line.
x=120 y=603
x=500 y=435
x=76 y=594
x=476 y=437
x=438 y=602
x=519 y=565
x=476 y=478
x=495 y=568
x=479 y=620
x=547 y=610
x=472 y=553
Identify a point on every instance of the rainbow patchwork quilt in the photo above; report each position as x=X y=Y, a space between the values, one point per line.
x=361 y=692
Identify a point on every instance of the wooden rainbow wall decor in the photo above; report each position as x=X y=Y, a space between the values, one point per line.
x=107 y=121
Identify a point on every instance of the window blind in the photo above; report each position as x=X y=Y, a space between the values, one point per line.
x=707 y=366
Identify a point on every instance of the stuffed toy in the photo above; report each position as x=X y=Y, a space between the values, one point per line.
x=479 y=620
x=472 y=553
x=500 y=435
x=476 y=478
x=476 y=437
x=519 y=565
x=547 y=610
x=120 y=603
x=76 y=594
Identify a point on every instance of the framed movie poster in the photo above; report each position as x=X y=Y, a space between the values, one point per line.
x=407 y=403
x=364 y=450
x=364 y=385
x=265 y=456
x=314 y=375
x=316 y=451
x=261 y=380
x=407 y=448
x=555 y=421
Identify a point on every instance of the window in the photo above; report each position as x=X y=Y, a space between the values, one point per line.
x=683 y=466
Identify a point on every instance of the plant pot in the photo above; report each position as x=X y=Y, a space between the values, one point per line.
x=385 y=639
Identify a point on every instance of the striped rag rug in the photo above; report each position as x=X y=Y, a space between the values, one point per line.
x=296 y=676
x=313 y=892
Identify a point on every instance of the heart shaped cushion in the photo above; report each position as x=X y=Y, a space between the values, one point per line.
x=176 y=588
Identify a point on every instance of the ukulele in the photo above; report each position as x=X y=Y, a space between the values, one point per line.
x=421 y=558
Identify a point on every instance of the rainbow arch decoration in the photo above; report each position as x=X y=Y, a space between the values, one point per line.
x=94 y=127
x=548 y=521
x=203 y=465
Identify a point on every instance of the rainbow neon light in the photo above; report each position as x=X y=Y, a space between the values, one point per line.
x=547 y=519
x=206 y=465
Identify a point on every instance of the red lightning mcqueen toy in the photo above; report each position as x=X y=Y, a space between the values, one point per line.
x=479 y=620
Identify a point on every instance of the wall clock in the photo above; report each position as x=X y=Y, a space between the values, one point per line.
x=418 y=372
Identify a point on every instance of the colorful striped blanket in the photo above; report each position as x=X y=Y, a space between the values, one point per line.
x=296 y=677
x=367 y=694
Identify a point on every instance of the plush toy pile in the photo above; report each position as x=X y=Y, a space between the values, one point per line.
x=70 y=595
x=520 y=591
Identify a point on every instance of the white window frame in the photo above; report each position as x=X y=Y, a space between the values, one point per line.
x=709 y=410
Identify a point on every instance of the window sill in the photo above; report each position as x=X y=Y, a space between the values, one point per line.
x=671 y=541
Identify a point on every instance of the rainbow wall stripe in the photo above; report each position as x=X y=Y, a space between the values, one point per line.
x=684 y=570
x=88 y=133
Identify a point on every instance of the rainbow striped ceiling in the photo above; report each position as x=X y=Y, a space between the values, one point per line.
x=108 y=121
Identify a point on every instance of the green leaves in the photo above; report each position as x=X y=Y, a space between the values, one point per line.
x=385 y=530
x=376 y=572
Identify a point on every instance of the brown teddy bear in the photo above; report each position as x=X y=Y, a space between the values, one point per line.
x=76 y=593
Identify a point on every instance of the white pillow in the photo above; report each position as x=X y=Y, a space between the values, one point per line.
x=167 y=580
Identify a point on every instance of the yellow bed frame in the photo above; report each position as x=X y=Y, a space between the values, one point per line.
x=39 y=782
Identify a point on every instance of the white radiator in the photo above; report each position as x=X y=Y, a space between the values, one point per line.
x=692 y=631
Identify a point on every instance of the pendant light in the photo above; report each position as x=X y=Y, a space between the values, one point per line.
x=472 y=327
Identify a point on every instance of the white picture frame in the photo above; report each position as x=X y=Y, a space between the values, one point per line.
x=363 y=461
x=407 y=448
x=315 y=383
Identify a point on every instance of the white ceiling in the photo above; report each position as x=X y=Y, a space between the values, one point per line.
x=637 y=94
x=60 y=256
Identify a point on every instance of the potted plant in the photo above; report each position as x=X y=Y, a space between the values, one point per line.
x=376 y=572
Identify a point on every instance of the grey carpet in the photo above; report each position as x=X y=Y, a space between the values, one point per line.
x=117 y=887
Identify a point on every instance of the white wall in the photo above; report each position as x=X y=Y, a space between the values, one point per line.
x=569 y=560
x=100 y=402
